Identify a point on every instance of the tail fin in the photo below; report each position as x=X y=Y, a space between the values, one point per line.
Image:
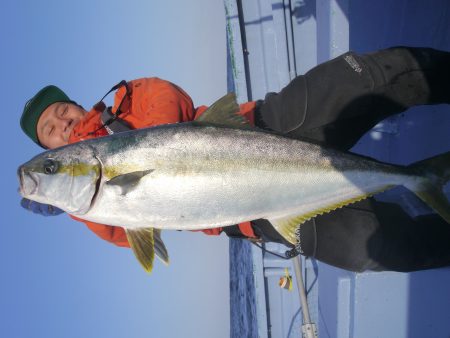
x=436 y=173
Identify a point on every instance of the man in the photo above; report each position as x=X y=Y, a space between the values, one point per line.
x=52 y=120
x=334 y=103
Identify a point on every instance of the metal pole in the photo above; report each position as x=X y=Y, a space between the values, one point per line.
x=308 y=329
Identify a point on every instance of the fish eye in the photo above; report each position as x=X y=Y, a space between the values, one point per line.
x=50 y=166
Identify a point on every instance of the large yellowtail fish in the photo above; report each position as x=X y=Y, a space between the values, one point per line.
x=214 y=172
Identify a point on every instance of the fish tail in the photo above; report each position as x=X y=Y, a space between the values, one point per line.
x=435 y=172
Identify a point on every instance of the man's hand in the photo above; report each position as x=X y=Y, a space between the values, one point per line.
x=40 y=208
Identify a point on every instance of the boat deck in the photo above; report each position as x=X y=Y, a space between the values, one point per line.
x=270 y=43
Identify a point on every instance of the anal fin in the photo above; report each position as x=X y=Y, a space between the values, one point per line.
x=287 y=226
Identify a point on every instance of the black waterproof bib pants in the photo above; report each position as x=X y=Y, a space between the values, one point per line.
x=336 y=103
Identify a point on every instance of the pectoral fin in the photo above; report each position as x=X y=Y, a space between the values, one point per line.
x=143 y=245
x=127 y=182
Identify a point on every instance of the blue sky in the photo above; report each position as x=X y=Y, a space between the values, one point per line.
x=59 y=279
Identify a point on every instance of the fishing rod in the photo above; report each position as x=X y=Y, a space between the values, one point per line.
x=309 y=329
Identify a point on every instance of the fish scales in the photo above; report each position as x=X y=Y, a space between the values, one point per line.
x=219 y=176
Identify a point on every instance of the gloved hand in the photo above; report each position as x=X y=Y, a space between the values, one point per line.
x=40 y=208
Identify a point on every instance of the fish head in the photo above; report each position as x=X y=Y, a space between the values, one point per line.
x=66 y=177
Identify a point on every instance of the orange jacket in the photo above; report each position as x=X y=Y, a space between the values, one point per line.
x=152 y=102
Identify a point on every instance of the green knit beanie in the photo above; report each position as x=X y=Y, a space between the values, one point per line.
x=35 y=107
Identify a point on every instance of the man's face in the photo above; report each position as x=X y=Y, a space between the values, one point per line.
x=56 y=123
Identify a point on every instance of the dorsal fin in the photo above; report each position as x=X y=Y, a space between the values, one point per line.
x=224 y=112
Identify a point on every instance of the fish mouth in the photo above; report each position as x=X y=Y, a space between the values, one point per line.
x=27 y=182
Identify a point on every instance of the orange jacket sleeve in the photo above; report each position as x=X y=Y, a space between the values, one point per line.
x=154 y=102
x=115 y=235
x=245 y=228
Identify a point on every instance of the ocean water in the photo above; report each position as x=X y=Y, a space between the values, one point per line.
x=242 y=291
